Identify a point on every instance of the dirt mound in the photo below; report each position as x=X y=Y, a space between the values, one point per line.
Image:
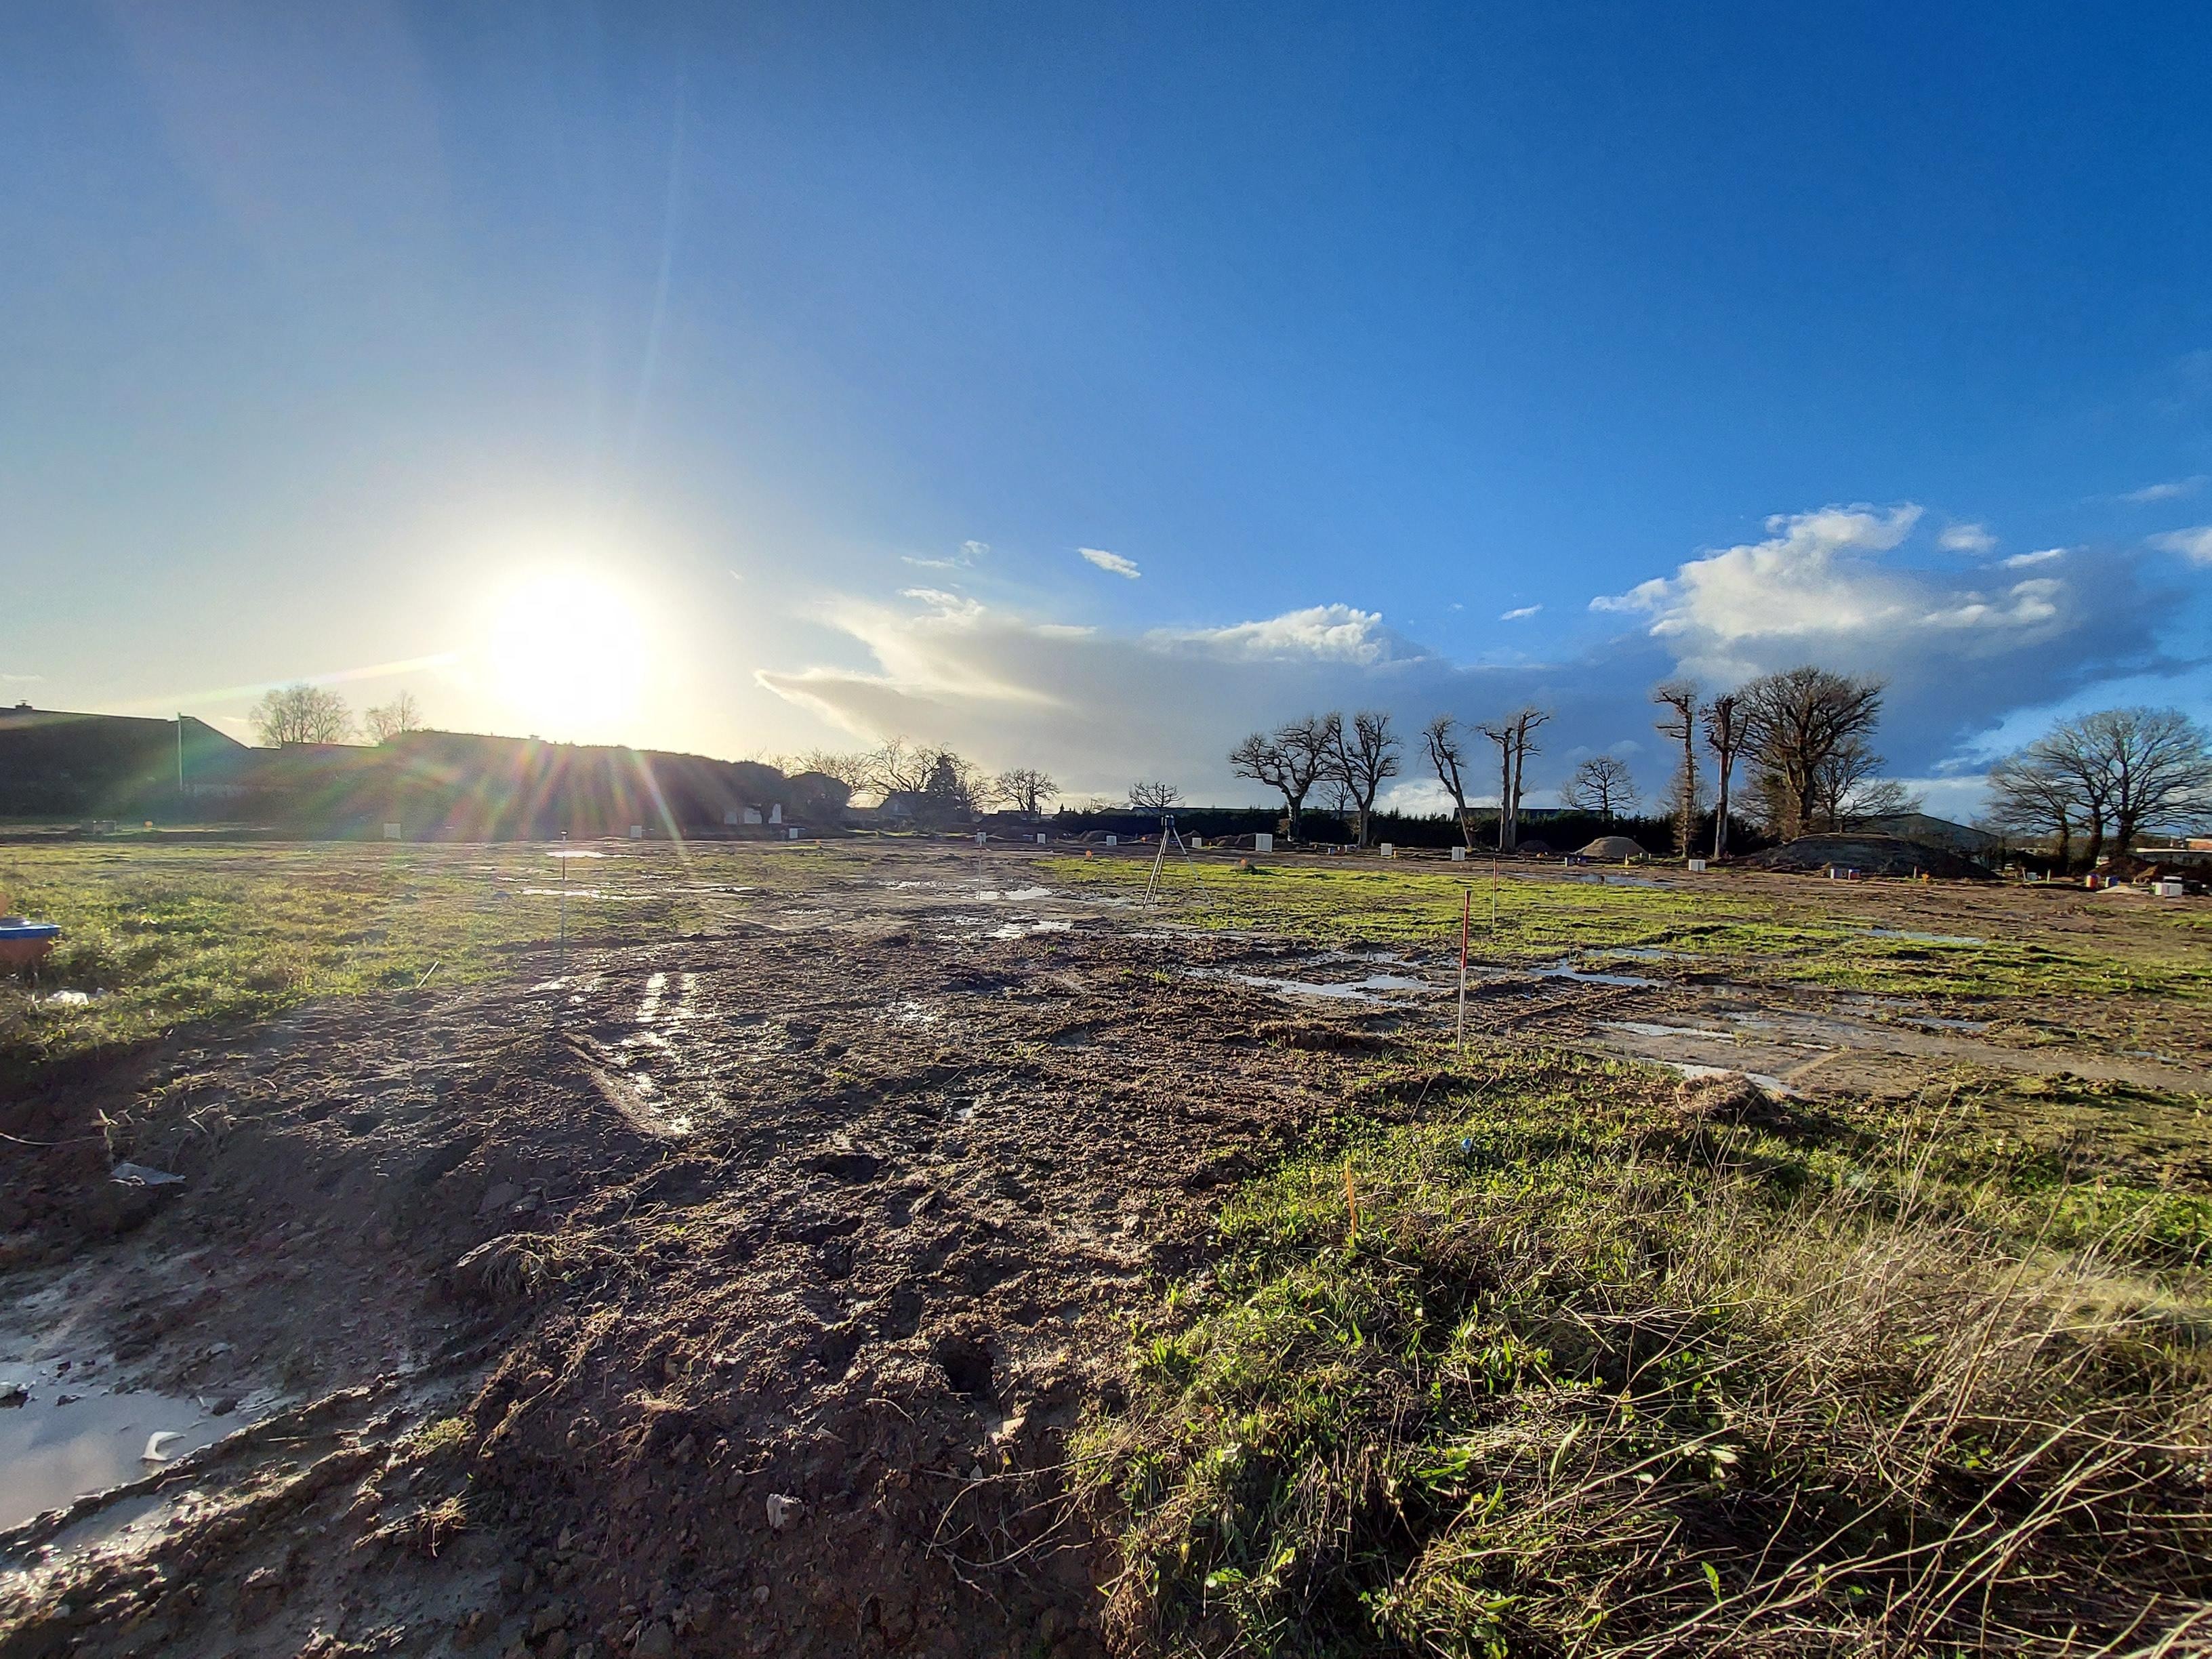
x=1870 y=855
x=1614 y=849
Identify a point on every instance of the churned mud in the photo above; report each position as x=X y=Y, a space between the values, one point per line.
x=732 y=1295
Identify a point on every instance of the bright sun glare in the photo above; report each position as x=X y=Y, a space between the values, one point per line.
x=569 y=655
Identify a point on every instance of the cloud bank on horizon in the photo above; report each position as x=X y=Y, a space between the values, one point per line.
x=1966 y=654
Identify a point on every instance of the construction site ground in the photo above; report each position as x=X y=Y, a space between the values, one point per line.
x=733 y=1291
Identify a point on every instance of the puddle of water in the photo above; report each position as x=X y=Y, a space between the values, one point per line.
x=1644 y=1028
x=1925 y=939
x=1364 y=990
x=1585 y=976
x=51 y=1455
x=650 y=1007
x=1022 y=929
x=589 y=893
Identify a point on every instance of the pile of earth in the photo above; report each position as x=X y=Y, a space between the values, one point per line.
x=1869 y=855
x=1614 y=849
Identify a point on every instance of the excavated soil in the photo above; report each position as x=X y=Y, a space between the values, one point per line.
x=732 y=1295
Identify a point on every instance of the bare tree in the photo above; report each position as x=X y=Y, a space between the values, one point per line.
x=2131 y=768
x=2034 y=798
x=1154 y=797
x=1448 y=754
x=1679 y=699
x=1366 y=757
x=854 y=769
x=1289 y=760
x=1724 y=737
x=395 y=719
x=1516 y=741
x=1025 y=789
x=1600 y=785
x=301 y=714
x=1794 y=722
x=2160 y=761
x=1845 y=792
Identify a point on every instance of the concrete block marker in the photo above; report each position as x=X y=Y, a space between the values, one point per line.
x=1696 y=867
x=1459 y=855
x=1113 y=840
x=1263 y=843
x=392 y=832
x=637 y=832
x=1387 y=850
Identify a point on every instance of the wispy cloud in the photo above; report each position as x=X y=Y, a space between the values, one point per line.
x=2194 y=545
x=20 y=679
x=2022 y=560
x=1520 y=614
x=1112 y=562
x=971 y=554
x=1967 y=538
x=2171 y=491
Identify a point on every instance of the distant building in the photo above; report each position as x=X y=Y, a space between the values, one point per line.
x=54 y=764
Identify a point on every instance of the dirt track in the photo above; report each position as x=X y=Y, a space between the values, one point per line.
x=754 y=1276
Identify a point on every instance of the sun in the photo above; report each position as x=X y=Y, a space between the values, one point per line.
x=569 y=655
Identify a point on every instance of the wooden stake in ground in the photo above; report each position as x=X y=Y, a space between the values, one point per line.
x=1466 y=918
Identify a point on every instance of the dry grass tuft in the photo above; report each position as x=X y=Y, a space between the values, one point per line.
x=1602 y=1370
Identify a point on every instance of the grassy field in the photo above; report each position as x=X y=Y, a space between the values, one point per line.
x=1581 y=1362
x=158 y=936
x=1757 y=939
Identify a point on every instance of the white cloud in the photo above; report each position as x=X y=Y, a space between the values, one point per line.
x=1325 y=633
x=1967 y=538
x=2025 y=605
x=1113 y=564
x=1520 y=613
x=2022 y=560
x=2172 y=489
x=1817 y=588
x=970 y=554
x=20 y=679
x=2194 y=545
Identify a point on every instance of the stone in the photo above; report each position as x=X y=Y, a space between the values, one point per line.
x=655 y=1641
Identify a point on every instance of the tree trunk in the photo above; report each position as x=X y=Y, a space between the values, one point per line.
x=1504 y=797
x=2096 y=841
x=2065 y=844
x=1721 y=810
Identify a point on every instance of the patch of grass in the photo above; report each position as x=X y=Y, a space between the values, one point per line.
x=1755 y=939
x=155 y=937
x=1583 y=1362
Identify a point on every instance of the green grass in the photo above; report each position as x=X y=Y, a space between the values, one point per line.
x=1755 y=939
x=160 y=936
x=1579 y=1364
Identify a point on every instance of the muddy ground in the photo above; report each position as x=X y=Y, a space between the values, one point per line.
x=734 y=1295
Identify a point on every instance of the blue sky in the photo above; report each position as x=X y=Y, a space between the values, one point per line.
x=766 y=371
